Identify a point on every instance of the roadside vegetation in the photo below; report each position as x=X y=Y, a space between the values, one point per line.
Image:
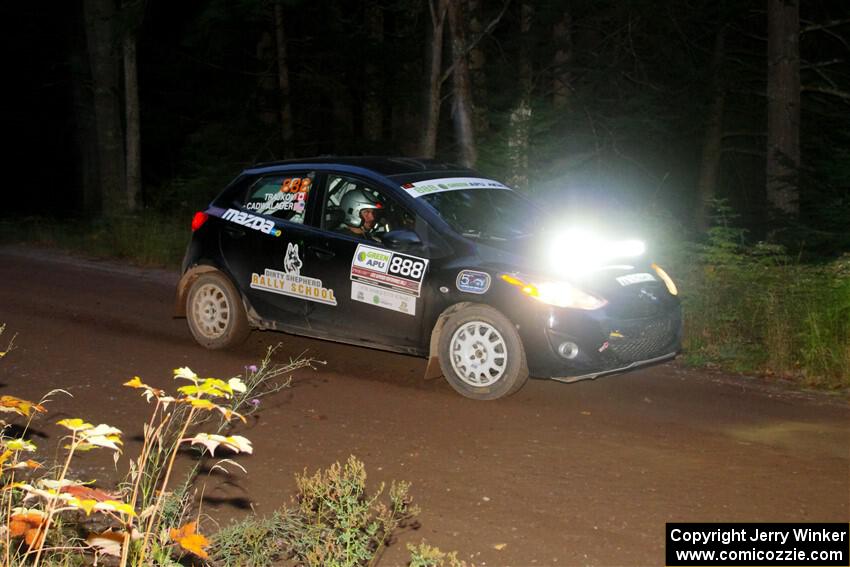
x=148 y=239
x=51 y=518
x=756 y=308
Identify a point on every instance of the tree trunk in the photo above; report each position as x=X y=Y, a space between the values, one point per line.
x=438 y=10
x=477 y=75
x=520 y=118
x=373 y=119
x=287 y=131
x=100 y=16
x=562 y=37
x=85 y=136
x=712 y=148
x=131 y=109
x=461 y=90
x=783 y=106
x=267 y=92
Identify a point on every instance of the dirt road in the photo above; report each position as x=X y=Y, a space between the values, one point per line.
x=582 y=474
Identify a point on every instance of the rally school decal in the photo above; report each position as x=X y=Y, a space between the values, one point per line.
x=471 y=281
x=250 y=221
x=387 y=279
x=290 y=282
x=450 y=184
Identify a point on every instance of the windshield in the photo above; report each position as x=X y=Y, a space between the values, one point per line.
x=495 y=214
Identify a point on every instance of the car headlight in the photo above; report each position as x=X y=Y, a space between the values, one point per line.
x=557 y=293
x=575 y=252
x=668 y=281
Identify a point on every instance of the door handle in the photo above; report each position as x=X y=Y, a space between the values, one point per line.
x=321 y=252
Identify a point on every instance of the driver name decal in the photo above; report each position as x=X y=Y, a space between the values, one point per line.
x=292 y=196
x=290 y=282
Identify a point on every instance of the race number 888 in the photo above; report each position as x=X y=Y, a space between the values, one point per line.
x=407 y=267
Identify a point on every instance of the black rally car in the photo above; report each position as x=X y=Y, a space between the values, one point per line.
x=425 y=258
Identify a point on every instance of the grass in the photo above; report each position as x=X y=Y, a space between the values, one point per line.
x=150 y=239
x=754 y=309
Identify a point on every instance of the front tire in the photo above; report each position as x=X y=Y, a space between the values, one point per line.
x=481 y=354
x=215 y=312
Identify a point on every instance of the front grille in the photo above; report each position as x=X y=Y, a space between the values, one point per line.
x=642 y=339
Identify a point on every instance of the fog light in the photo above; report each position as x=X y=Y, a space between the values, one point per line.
x=568 y=350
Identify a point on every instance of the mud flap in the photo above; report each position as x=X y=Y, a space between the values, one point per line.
x=433 y=370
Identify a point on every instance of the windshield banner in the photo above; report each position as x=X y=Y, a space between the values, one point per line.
x=450 y=184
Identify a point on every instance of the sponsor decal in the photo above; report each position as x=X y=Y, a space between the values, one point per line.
x=372 y=258
x=391 y=270
x=470 y=281
x=450 y=184
x=250 y=221
x=290 y=282
x=635 y=278
x=382 y=297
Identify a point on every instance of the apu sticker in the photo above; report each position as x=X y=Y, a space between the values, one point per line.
x=391 y=270
x=290 y=282
x=470 y=281
x=635 y=278
x=251 y=221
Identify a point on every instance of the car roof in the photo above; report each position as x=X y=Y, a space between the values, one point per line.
x=399 y=169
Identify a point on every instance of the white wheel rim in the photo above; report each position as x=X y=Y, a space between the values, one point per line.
x=478 y=353
x=211 y=311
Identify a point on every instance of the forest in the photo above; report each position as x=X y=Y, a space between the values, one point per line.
x=719 y=129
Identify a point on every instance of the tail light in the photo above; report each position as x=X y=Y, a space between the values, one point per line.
x=198 y=220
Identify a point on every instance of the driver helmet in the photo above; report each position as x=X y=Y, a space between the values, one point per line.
x=355 y=201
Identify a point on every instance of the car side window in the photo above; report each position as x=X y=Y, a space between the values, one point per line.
x=283 y=196
x=355 y=208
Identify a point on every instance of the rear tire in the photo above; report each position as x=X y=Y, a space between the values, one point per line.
x=481 y=354
x=215 y=312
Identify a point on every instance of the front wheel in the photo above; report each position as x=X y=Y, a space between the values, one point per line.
x=481 y=354
x=215 y=312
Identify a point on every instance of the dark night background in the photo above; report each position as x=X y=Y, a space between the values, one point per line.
x=625 y=129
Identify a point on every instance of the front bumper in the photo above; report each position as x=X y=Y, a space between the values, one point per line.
x=630 y=366
x=598 y=344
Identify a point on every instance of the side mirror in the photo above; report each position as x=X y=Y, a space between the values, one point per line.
x=401 y=239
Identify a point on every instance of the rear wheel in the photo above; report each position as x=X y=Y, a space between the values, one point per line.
x=215 y=312
x=481 y=354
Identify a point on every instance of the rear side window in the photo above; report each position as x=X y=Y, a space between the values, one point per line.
x=281 y=196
